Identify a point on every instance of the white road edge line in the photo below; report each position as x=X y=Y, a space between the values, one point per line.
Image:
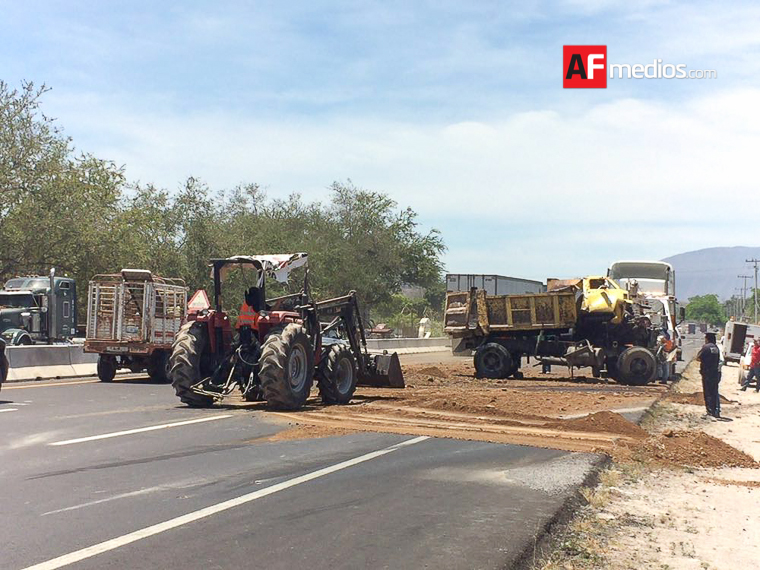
x=152 y=530
x=9 y=410
x=139 y=430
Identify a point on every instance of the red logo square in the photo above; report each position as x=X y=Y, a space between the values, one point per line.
x=584 y=67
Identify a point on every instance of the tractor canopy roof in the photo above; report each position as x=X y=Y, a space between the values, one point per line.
x=277 y=265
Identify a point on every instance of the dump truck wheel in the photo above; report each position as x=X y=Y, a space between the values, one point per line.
x=286 y=368
x=106 y=367
x=158 y=367
x=492 y=361
x=636 y=366
x=185 y=364
x=337 y=375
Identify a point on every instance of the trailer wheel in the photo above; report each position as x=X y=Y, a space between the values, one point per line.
x=185 y=364
x=286 y=368
x=492 y=361
x=106 y=367
x=636 y=366
x=337 y=375
x=158 y=367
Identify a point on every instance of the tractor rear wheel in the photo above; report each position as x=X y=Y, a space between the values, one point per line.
x=158 y=367
x=337 y=375
x=106 y=367
x=636 y=366
x=185 y=364
x=286 y=368
x=492 y=360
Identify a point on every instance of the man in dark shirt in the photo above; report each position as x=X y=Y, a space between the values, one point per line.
x=709 y=368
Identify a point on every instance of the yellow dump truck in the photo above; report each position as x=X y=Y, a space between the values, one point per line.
x=589 y=322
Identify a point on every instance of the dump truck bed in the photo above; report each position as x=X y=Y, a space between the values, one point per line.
x=475 y=313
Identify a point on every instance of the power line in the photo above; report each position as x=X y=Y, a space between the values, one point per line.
x=755 y=261
x=744 y=291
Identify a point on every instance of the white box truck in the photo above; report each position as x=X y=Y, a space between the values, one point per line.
x=736 y=337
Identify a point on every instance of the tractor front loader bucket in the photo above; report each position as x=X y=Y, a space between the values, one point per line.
x=383 y=370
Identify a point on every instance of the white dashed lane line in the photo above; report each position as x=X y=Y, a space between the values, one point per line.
x=176 y=522
x=138 y=430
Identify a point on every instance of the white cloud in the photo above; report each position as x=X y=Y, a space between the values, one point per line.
x=630 y=175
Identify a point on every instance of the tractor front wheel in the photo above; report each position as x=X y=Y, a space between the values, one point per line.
x=286 y=368
x=185 y=364
x=337 y=375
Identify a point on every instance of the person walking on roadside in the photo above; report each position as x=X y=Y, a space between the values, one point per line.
x=661 y=356
x=754 y=367
x=709 y=367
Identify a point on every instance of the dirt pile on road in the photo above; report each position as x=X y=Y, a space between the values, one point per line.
x=431 y=371
x=606 y=422
x=692 y=449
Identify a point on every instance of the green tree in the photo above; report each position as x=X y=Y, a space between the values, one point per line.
x=78 y=213
x=705 y=309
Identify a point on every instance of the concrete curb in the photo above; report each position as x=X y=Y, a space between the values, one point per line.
x=545 y=539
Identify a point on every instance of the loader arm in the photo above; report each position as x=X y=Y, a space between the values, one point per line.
x=374 y=370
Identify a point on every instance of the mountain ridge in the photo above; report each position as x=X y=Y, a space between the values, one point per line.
x=713 y=270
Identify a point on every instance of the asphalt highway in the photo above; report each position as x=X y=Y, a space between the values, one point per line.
x=122 y=475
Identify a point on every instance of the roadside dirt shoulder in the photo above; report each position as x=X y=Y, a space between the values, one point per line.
x=694 y=505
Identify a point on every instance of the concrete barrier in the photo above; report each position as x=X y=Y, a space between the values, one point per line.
x=410 y=345
x=49 y=361
x=70 y=361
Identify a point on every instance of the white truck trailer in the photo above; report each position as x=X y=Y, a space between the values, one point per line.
x=736 y=337
x=492 y=284
x=132 y=319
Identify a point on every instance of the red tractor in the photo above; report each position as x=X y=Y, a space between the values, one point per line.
x=279 y=347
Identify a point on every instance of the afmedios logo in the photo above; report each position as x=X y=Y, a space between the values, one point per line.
x=584 y=67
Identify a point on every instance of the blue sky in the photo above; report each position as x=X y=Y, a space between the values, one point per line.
x=453 y=108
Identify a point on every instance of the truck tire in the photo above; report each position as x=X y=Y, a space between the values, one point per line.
x=4 y=365
x=286 y=368
x=158 y=367
x=493 y=361
x=636 y=366
x=185 y=364
x=106 y=367
x=337 y=375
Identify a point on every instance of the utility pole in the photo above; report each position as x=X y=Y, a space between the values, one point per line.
x=744 y=292
x=755 y=261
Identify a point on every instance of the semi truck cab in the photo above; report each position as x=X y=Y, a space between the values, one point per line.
x=38 y=309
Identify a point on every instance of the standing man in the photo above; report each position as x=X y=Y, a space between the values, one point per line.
x=661 y=356
x=709 y=368
x=754 y=367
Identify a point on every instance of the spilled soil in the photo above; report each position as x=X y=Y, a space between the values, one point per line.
x=446 y=400
x=550 y=411
x=693 y=449
x=693 y=398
